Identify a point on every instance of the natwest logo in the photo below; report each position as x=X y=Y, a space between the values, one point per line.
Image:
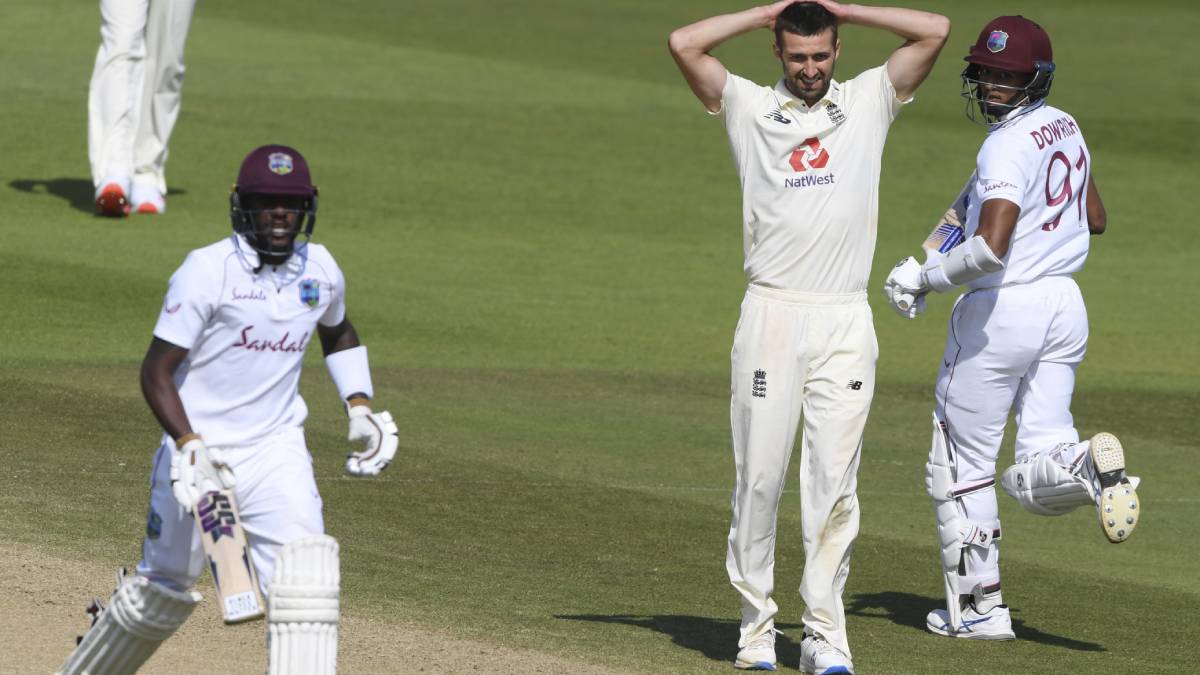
x=809 y=155
x=283 y=344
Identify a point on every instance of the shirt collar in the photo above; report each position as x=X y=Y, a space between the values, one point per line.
x=291 y=268
x=832 y=96
x=1013 y=115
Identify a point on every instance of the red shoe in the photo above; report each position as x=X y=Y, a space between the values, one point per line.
x=111 y=201
x=146 y=199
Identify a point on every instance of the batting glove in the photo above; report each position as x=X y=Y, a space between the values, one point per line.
x=905 y=288
x=380 y=438
x=197 y=469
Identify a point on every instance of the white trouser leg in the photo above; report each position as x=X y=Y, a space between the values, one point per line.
x=791 y=355
x=171 y=551
x=766 y=397
x=1052 y=474
x=277 y=496
x=114 y=95
x=166 y=34
x=838 y=394
x=987 y=352
x=1043 y=409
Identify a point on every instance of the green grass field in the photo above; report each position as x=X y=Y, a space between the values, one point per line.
x=541 y=233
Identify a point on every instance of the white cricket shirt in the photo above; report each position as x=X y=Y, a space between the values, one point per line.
x=1038 y=161
x=810 y=179
x=246 y=334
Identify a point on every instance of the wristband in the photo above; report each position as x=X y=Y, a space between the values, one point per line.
x=350 y=372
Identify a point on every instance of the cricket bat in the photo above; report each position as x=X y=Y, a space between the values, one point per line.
x=947 y=234
x=228 y=556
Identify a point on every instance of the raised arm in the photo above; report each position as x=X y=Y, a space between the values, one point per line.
x=690 y=46
x=924 y=34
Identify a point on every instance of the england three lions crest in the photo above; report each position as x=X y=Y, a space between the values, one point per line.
x=310 y=292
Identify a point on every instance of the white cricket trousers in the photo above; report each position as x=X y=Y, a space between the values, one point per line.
x=1010 y=348
x=276 y=494
x=810 y=356
x=133 y=100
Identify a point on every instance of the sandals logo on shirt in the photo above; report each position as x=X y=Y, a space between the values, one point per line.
x=310 y=292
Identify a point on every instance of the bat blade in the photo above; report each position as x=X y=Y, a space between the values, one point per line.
x=224 y=543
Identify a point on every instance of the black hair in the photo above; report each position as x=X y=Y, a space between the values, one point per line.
x=805 y=18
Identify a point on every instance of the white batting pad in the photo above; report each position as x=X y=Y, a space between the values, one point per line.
x=140 y=615
x=1045 y=487
x=955 y=531
x=302 y=608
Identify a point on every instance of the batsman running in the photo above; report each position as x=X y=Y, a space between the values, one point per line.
x=222 y=376
x=1014 y=236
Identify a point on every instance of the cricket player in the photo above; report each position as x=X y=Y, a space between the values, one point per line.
x=222 y=376
x=133 y=101
x=807 y=152
x=1018 y=333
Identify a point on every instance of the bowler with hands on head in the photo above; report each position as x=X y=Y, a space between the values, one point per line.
x=808 y=154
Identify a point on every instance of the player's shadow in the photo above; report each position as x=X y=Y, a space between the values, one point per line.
x=78 y=192
x=909 y=609
x=714 y=638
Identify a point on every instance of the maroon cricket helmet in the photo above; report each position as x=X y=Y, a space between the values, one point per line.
x=275 y=170
x=1012 y=43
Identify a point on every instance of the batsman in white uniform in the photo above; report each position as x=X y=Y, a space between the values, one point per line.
x=1017 y=232
x=222 y=377
x=133 y=101
x=807 y=152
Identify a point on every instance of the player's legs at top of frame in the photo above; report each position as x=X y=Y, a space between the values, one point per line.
x=134 y=100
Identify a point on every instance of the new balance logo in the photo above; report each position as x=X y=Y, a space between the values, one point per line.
x=759 y=387
x=855 y=385
x=777 y=115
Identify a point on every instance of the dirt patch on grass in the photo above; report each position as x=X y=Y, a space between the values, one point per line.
x=42 y=600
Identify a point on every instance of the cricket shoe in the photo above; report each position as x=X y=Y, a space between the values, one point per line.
x=759 y=653
x=111 y=199
x=1117 y=501
x=147 y=199
x=994 y=624
x=819 y=657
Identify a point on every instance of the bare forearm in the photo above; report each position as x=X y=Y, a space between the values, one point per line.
x=910 y=24
x=1097 y=217
x=163 y=399
x=704 y=36
x=158 y=386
